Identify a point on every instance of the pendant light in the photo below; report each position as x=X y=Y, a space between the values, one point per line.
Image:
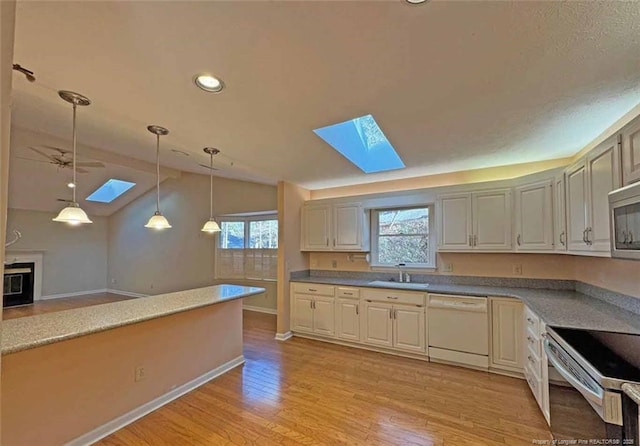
x=211 y=226
x=73 y=214
x=157 y=220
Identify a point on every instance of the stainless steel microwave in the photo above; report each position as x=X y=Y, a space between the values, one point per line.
x=624 y=209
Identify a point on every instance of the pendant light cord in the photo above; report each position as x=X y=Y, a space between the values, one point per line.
x=158 y=173
x=211 y=190
x=74 y=153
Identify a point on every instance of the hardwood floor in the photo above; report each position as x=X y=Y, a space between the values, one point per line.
x=65 y=303
x=313 y=393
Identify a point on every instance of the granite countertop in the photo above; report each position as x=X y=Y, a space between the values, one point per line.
x=557 y=308
x=633 y=390
x=34 y=331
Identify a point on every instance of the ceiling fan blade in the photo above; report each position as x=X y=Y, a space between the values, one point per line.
x=80 y=170
x=207 y=167
x=31 y=159
x=63 y=200
x=89 y=164
x=39 y=152
x=57 y=149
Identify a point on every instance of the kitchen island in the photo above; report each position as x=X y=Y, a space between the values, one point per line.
x=74 y=376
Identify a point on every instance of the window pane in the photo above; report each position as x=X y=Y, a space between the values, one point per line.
x=232 y=235
x=403 y=221
x=263 y=234
x=396 y=249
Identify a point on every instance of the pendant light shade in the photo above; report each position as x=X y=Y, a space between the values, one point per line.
x=157 y=220
x=73 y=214
x=211 y=226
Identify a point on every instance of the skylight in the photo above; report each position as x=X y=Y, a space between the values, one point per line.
x=361 y=141
x=110 y=190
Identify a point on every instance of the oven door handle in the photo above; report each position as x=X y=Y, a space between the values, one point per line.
x=589 y=394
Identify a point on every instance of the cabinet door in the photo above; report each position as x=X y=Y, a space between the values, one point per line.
x=378 y=325
x=324 y=315
x=409 y=329
x=455 y=222
x=507 y=334
x=348 y=319
x=347 y=227
x=631 y=152
x=316 y=226
x=559 y=215
x=534 y=217
x=302 y=313
x=576 y=185
x=603 y=170
x=492 y=219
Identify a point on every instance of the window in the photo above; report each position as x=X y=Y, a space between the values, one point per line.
x=248 y=248
x=403 y=236
x=110 y=190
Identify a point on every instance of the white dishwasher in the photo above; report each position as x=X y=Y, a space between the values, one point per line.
x=459 y=330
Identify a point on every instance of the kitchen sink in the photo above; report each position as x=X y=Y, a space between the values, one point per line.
x=399 y=285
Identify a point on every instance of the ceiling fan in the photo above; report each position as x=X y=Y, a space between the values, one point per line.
x=62 y=158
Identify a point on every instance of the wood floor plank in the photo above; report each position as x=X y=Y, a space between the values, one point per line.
x=312 y=393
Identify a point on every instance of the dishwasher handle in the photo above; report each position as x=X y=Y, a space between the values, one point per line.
x=459 y=305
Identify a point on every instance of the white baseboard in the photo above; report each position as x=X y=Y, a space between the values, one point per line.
x=260 y=309
x=126 y=293
x=128 y=418
x=77 y=293
x=283 y=336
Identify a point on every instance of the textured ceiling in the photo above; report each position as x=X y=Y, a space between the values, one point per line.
x=454 y=85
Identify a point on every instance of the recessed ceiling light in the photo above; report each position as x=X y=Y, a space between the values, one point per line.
x=209 y=83
x=179 y=152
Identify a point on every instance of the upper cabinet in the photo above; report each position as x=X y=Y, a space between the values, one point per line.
x=534 y=216
x=559 y=214
x=588 y=182
x=475 y=221
x=334 y=227
x=630 y=140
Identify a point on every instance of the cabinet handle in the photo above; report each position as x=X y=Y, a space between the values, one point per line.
x=475 y=240
x=630 y=237
x=327 y=241
x=589 y=241
x=391 y=297
x=584 y=236
x=530 y=358
x=530 y=320
x=390 y=314
x=395 y=314
x=470 y=240
x=530 y=339
x=312 y=289
x=518 y=240
x=562 y=242
x=334 y=242
x=357 y=309
x=348 y=294
x=311 y=304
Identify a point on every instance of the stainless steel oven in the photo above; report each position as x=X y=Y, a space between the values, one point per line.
x=624 y=207
x=586 y=404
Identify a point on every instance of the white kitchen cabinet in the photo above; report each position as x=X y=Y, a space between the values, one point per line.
x=588 y=184
x=475 y=221
x=303 y=313
x=348 y=319
x=323 y=315
x=506 y=335
x=559 y=214
x=378 y=324
x=536 y=370
x=316 y=227
x=534 y=216
x=409 y=325
x=630 y=140
x=313 y=309
x=335 y=227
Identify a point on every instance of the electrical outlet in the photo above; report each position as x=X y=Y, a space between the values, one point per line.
x=517 y=269
x=334 y=263
x=447 y=267
x=140 y=374
x=114 y=281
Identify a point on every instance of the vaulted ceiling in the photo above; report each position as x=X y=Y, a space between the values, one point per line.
x=454 y=85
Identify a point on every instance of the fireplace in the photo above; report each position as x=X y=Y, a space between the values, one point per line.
x=18 y=284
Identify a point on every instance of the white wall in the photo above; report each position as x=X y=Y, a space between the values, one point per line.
x=151 y=262
x=74 y=258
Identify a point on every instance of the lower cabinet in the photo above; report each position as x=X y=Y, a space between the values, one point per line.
x=536 y=370
x=314 y=314
x=348 y=319
x=506 y=335
x=401 y=327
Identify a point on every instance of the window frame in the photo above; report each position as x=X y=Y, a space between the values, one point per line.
x=375 y=240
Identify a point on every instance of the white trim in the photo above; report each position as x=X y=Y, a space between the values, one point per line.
x=126 y=293
x=140 y=411
x=260 y=309
x=29 y=257
x=284 y=336
x=74 y=294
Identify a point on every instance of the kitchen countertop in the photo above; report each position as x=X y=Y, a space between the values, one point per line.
x=633 y=390
x=564 y=309
x=34 y=331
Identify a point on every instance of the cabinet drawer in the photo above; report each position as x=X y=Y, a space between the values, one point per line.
x=531 y=321
x=533 y=342
x=395 y=297
x=348 y=292
x=533 y=361
x=314 y=288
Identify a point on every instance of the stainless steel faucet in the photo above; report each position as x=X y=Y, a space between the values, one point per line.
x=400 y=272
